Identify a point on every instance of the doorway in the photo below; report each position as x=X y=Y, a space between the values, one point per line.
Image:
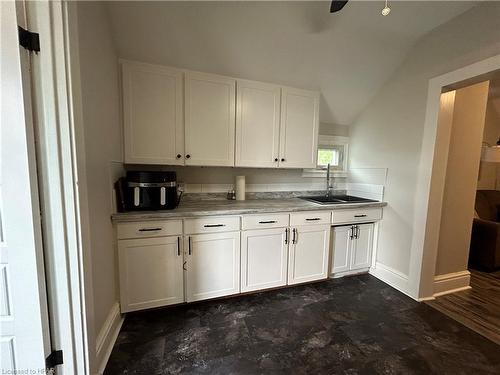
x=463 y=289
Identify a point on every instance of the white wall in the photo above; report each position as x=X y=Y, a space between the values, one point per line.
x=103 y=145
x=389 y=131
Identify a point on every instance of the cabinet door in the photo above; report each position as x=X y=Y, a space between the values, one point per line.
x=150 y=272
x=264 y=255
x=152 y=114
x=213 y=265
x=342 y=244
x=362 y=249
x=210 y=119
x=257 y=124
x=299 y=128
x=308 y=253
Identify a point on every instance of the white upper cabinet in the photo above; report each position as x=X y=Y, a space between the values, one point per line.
x=209 y=119
x=177 y=117
x=299 y=128
x=257 y=124
x=152 y=114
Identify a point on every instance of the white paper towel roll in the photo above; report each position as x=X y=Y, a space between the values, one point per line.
x=240 y=188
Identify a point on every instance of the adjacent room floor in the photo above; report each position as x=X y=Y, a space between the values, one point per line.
x=352 y=325
x=477 y=308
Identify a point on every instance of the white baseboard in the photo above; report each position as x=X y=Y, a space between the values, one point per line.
x=392 y=277
x=451 y=283
x=107 y=337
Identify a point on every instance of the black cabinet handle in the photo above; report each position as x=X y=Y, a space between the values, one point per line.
x=268 y=222
x=286 y=236
x=282 y=159
x=214 y=225
x=275 y=159
x=362 y=215
x=150 y=229
x=189 y=245
x=294 y=237
x=313 y=219
x=188 y=156
x=351 y=232
x=179 y=156
x=178 y=246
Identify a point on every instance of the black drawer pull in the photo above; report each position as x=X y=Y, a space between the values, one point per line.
x=313 y=219
x=214 y=225
x=268 y=222
x=150 y=229
x=363 y=215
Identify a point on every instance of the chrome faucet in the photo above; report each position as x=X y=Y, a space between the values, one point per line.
x=328 y=185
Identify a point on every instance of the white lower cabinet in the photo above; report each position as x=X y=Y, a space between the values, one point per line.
x=151 y=272
x=308 y=253
x=213 y=265
x=342 y=243
x=352 y=248
x=264 y=254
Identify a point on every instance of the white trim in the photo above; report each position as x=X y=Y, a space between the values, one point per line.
x=430 y=183
x=392 y=277
x=451 y=283
x=59 y=185
x=107 y=336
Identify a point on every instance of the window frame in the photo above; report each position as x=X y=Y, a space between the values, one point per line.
x=328 y=141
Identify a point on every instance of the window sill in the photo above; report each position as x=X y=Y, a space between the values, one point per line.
x=321 y=173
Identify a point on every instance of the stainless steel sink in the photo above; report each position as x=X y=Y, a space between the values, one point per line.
x=337 y=199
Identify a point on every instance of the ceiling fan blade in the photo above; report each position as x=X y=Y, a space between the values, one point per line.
x=337 y=5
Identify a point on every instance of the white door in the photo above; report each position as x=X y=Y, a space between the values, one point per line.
x=257 y=124
x=213 y=265
x=151 y=272
x=264 y=254
x=299 y=128
x=342 y=245
x=24 y=335
x=308 y=253
x=210 y=119
x=362 y=249
x=152 y=114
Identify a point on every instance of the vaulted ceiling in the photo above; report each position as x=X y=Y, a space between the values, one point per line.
x=348 y=56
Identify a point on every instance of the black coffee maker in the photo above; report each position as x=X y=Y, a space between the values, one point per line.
x=147 y=191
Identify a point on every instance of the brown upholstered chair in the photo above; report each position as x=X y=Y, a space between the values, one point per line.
x=485 y=239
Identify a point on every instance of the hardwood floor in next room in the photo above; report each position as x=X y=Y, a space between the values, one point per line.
x=477 y=308
x=350 y=325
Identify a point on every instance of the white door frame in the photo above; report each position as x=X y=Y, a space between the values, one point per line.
x=59 y=136
x=431 y=180
x=24 y=329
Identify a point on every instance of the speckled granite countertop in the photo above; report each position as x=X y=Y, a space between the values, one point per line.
x=228 y=207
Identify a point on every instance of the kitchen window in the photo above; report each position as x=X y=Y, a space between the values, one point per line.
x=332 y=150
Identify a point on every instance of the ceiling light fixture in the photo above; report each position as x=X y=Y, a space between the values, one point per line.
x=386 y=10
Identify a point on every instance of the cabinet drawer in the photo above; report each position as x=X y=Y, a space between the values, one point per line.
x=308 y=218
x=211 y=224
x=357 y=215
x=264 y=221
x=149 y=229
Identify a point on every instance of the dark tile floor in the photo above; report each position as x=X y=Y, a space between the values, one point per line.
x=355 y=325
